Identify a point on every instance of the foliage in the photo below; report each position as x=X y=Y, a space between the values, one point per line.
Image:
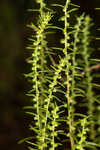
x=64 y=100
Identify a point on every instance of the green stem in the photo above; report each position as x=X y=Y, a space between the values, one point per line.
x=68 y=78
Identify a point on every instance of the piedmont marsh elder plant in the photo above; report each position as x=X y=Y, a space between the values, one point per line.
x=65 y=104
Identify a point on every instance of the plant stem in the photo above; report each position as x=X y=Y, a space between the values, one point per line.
x=68 y=77
x=41 y=7
x=86 y=55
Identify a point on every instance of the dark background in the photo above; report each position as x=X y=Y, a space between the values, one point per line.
x=13 y=86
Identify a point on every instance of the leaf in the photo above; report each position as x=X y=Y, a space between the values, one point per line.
x=97 y=38
x=58 y=90
x=55 y=27
x=28 y=107
x=32 y=143
x=57 y=98
x=78 y=114
x=61 y=84
x=96 y=85
x=31 y=113
x=33 y=129
x=78 y=95
x=32 y=26
x=25 y=139
x=97 y=60
x=93 y=144
x=32 y=95
x=79 y=90
x=74 y=5
x=96 y=100
x=46 y=33
x=57 y=48
x=72 y=10
x=32 y=10
x=60 y=112
x=97 y=8
x=58 y=5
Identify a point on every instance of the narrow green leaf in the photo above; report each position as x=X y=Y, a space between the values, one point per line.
x=33 y=129
x=57 y=48
x=28 y=107
x=97 y=60
x=55 y=27
x=58 y=5
x=32 y=95
x=93 y=144
x=32 y=26
x=25 y=139
x=80 y=90
x=96 y=85
x=97 y=100
x=72 y=10
x=31 y=113
x=97 y=8
x=74 y=5
x=31 y=143
x=32 y=10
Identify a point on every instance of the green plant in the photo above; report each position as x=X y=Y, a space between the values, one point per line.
x=62 y=81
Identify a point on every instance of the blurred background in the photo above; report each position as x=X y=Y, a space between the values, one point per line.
x=13 y=55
